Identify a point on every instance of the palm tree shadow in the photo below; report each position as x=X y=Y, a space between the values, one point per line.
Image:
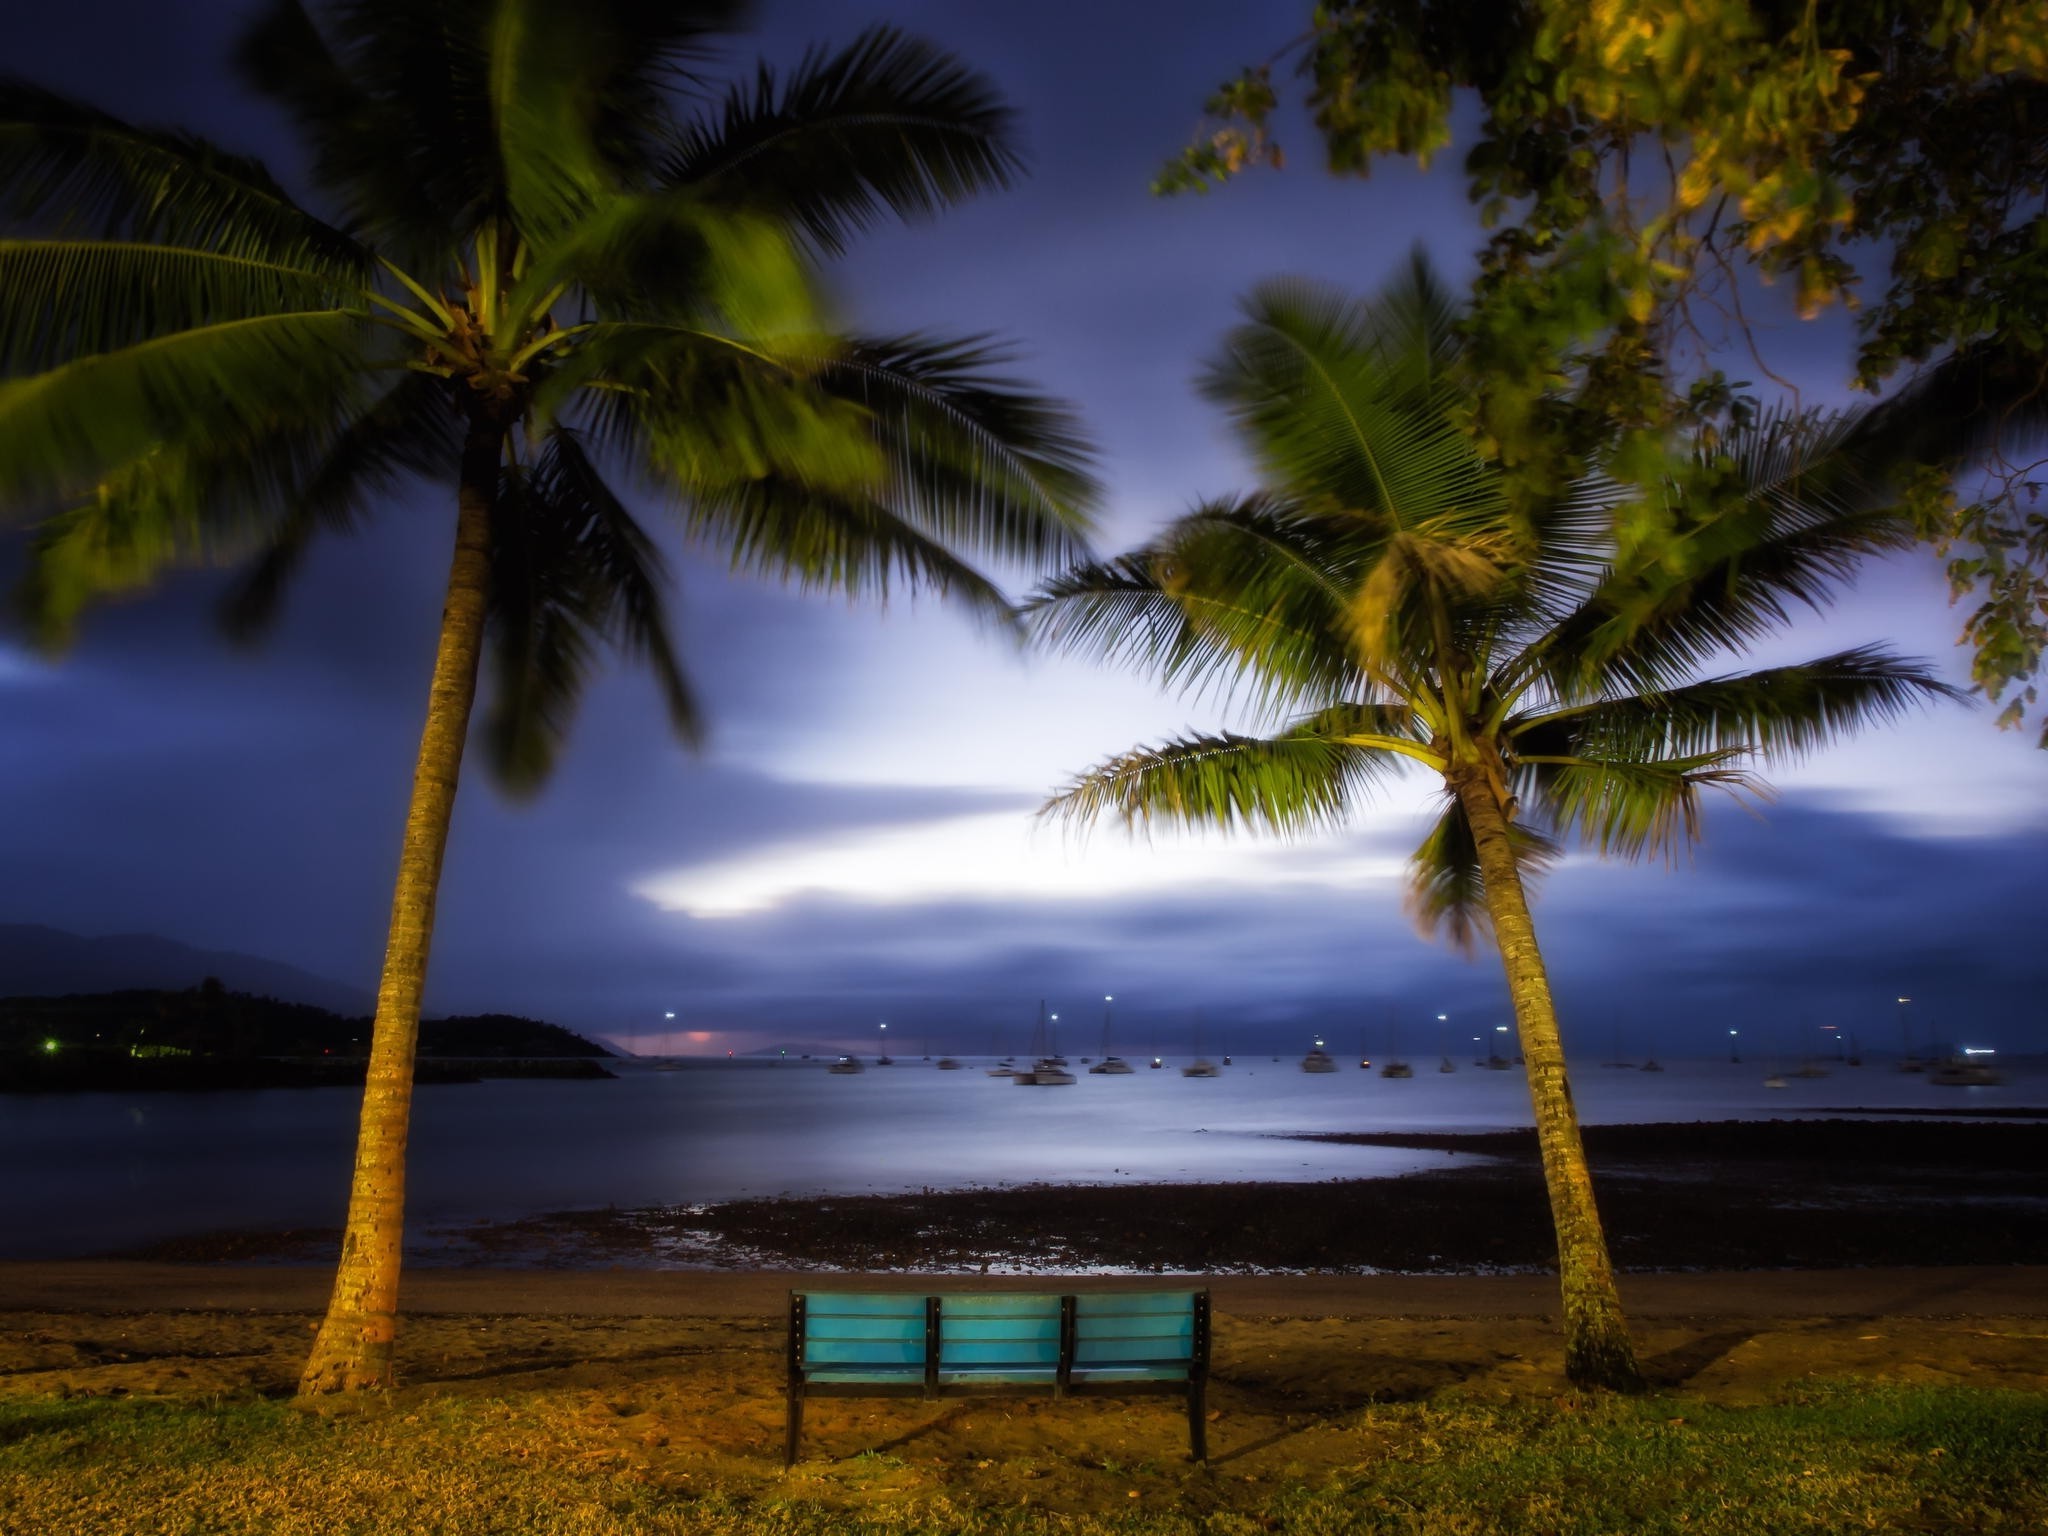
x=1676 y=1367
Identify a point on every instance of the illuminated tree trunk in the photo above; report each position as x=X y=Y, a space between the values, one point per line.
x=1597 y=1352
x=354 y=1347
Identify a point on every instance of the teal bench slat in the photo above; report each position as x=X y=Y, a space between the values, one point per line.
x=882 y=1304
x=1150 y=1326
x=999 y=1376
x=864 y=1352
x=1114 y=1342
x=1001 y=1352
x=1104 y=1351
x=1089 y=1303
x=964 y=1328
x=982 y=1304
x=866 y=1328
x=909 y=1376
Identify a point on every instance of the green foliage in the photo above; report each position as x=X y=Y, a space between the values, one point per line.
x=1643 y=165
x=1385 y=583
x=534 y=254
x=1833 y=1456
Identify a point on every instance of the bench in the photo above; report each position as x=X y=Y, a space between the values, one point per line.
x=902 y=1344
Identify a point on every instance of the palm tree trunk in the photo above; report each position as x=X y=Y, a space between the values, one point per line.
x=1597 y=1352
x=354 y=1347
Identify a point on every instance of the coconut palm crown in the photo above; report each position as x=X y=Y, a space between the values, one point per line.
x=1387 y=608
x=547 y=265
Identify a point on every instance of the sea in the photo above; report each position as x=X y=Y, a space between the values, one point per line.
x=85 y=1174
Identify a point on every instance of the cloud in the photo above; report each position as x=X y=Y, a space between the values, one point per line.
x=1002 y=856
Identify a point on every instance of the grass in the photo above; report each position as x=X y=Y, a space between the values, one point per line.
x=1826 y=1458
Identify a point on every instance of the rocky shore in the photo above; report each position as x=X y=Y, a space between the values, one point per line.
x=1813 y=1194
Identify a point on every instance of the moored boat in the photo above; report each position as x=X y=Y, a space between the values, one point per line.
x=846 y=1066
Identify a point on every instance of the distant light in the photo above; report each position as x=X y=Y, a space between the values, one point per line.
x=1733 y=1031
x=1319 y=1042
x=1905 y=999
x=50 y=1046
x=1979 y=1050
x=1107 y=998
x=1500 y=1029
x=668 y=1015
x=1443 y=1018
x=1055 y=1018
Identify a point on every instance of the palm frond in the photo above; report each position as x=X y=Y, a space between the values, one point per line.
x=704 y=412
x=887 y=125
x=630 y=570
x=975 y=458
x=60 y=299
x=204 y=497
x=73 y=171
x=825 y=540
x=1329 y=413
x=570 y=571
x=1777 y=714
x=1243 y=595
x=670 y=258
x=541 y=99
x=1627 y=806
x=1988 y=399
x=1799 y=516
x=65 y=430
x=1302 y=780
x=1446 y=889
x=411 y=431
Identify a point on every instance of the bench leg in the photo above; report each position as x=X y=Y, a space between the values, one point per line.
x=794 y=1431
x=1198 y=1424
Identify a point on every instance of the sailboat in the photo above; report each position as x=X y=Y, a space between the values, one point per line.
x=1395 y=1066
x=1201 y=1066
x=1111 y=1064
x=1047 y=1070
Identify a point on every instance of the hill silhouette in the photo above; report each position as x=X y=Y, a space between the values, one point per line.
x=38 y=961
x=213 y=1036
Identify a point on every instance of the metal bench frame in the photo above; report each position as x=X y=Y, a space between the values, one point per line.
x=1059 y=1384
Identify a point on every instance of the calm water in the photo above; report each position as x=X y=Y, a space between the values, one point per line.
x=84 y=1173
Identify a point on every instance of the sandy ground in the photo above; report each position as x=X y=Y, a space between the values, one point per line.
x=678 y=1378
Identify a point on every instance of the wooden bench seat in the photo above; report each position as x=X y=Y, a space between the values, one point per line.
x=908 y=1344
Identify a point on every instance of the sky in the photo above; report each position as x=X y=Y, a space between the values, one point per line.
x=857 y=844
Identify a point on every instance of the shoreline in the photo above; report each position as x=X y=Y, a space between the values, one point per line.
x=114 y=1287
x=1676 y=1197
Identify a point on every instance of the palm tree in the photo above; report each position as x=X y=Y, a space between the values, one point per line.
x=1387 y=606
x=534 y=280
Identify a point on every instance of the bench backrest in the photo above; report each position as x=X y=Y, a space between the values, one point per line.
x=1138 y=1335
x=853 y=1338
x=996 y=1338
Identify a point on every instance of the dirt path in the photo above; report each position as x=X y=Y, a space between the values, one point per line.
x=104 y=1286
